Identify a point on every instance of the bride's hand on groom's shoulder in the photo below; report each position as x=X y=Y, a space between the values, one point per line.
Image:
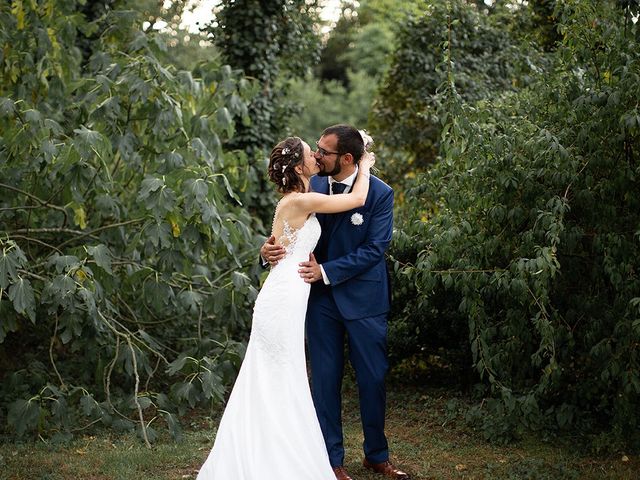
x=271 y=252
x=367 y=161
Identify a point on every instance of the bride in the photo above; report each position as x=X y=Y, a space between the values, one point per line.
x=269 y=429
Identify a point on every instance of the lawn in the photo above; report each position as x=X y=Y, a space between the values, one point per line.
x=422 y=441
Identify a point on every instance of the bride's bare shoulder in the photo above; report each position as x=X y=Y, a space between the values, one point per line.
x=289 y=205
x=292 y=200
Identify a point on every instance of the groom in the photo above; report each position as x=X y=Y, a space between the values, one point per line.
x=350 y=298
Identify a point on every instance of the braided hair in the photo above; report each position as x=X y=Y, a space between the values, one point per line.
x=282 y=162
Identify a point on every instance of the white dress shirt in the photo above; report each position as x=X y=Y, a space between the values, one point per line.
x=349 y=184
x=347 y=181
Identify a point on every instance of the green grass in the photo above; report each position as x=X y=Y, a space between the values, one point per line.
x=422 y=442
x=428 y=445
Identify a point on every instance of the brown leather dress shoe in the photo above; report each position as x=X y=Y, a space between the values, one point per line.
x=387 y=469
x=341 y=473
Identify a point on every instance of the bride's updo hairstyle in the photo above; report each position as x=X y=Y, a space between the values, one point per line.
x=282 y=162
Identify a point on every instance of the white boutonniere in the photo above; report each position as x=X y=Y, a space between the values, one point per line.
x=357 y=219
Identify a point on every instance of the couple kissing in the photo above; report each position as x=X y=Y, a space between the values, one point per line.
x=328 y=279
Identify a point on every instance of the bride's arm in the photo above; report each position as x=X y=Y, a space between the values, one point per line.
x=319 y=203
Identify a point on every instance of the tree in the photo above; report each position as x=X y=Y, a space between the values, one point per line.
x=268 y=41
x=544 y=22
x=324 y=103
x=333 y=65
x=353 y=60
x=124 y=267
x=529 y=236
x=487 y=62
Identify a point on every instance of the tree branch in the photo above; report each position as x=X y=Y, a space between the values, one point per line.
x=35 y=240
x=53 y=362
x=100 y=229
x=37 y=199
x=143 y=426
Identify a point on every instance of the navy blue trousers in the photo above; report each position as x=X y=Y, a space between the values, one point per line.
x=367 y=337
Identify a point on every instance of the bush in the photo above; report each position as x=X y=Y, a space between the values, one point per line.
x=530 y=232
x=124 y=266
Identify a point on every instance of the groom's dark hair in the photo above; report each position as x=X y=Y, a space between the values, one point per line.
x=349 y=140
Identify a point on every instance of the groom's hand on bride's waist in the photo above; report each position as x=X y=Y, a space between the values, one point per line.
x=310 y=271
x=271 y=253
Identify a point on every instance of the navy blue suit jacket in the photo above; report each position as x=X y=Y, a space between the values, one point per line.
x=352 y=253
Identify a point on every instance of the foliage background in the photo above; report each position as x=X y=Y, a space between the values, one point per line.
x=126 y=282
x=525 y=249
x=133 y=201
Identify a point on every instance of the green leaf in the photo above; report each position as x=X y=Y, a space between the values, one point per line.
x=202 y=151
x=199 y=189
x=53 y=126
x=159 y=234
x=64 y=262
x=186 y=78
x=149 y=340
x=69 y=327
x=102 y=256
x=8 y=319
x=152 y=435
x=7 y=107
x=160 y=43
x=178 y=364
x=240 y=280
x=173 y=160
x=8 y=268
x=32 y=116
x=211 y=217
x=89 y=301
x=148 y=185
x=187 y=392
x=158 y=294
x=161 y=201
x=230 y=189
x=107 y=205
x=21 y=294
x=224 y=120
x=123 y=424
x=88 y=141
x=49 y=150
x=144 y=401
x=139 y=41
x=59 y=407
x=63 y=285
x=126 y=144
x=23 y=415
x=190 y=300
x=174 y=425
x=212 y=386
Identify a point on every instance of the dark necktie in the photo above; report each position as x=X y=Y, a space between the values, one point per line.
x=337 y=187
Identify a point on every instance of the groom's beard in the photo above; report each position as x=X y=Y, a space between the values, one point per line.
x=336 y=170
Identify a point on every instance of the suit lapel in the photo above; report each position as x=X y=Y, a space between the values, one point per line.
x=320 y=185
x=340 y=218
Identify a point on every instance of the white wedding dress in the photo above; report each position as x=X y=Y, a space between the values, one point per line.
x=269 y=429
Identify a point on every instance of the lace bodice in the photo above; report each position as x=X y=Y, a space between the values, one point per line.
x=301 y=242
